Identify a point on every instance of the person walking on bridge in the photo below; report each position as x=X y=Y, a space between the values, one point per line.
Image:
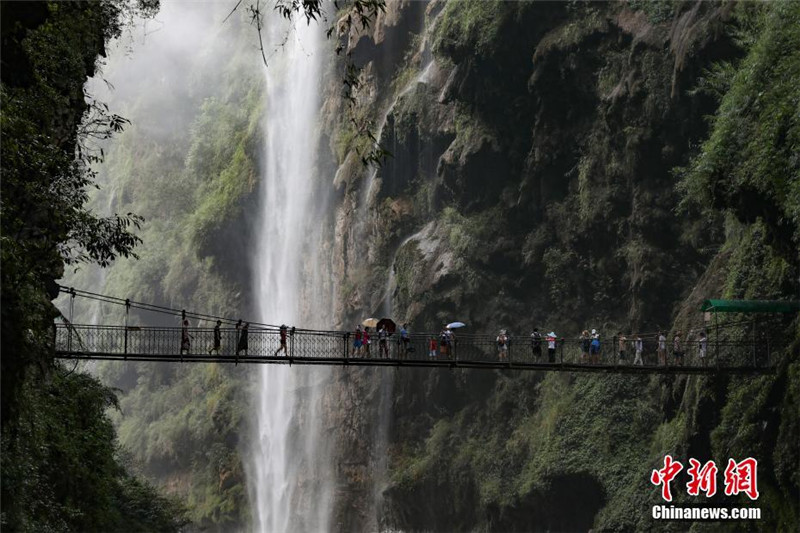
x=623 y=340
x=242 y=346
x=637 y=348
x=366 y=342
x=217 y=344
x=383 y=342
x=586 y=342
x=536 y=344
x=444 y=345
x=676 y=348
x=662 y=349
x=502 y=345
x=404 y=340
x=451 y=342
x=282 y=347
x=594 y=347
x=185 y=342
x=551 y=347
x=702 y=347
x=358 y=341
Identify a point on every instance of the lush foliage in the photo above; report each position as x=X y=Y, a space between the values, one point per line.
x=62 y=469
x=60 y=464
x=750 y=163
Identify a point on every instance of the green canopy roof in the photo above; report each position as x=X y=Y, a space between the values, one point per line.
x=751 y=306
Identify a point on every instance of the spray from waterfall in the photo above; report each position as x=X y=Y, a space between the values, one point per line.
x=289 y=490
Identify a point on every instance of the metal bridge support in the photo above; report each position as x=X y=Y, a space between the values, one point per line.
x=127 y=311
x=71 y=314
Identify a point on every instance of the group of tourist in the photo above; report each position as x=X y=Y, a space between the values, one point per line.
x=444 y=345
x=590 y=347
x=242 y=338
x=362 y=341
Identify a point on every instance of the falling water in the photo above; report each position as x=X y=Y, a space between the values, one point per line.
x=289 y=494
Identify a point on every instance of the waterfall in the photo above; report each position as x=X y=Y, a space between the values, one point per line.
x=290 y=490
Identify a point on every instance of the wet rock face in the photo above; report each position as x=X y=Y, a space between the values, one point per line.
x=529 y=184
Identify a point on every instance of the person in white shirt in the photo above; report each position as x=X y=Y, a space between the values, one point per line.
x=551 y=347
x=637 y=348
x=703 y=347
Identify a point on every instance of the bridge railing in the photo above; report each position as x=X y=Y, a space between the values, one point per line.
x=166 y=343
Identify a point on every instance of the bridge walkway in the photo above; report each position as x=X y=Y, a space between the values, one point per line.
x=312 y=347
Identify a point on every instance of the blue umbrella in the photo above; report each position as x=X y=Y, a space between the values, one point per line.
x=454 y=325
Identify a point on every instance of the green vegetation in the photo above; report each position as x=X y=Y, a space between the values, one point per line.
x=476 y=23
x=61 y=467
x=657 y=11
x=749 y=163
x=64 y=470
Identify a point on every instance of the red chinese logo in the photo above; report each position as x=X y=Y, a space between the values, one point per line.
x=741 y=477
x=665 y=475
x=703 y=479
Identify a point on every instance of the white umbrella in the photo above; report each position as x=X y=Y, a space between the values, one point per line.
x=454 y=325
x=370 y=322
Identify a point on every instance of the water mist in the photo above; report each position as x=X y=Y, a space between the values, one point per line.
x=290 y=490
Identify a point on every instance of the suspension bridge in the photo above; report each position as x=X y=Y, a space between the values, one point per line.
x=266 y=344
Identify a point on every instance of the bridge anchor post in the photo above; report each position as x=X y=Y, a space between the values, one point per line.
x=127 y=310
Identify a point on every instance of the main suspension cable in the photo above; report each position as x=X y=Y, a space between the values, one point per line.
x=153 y=307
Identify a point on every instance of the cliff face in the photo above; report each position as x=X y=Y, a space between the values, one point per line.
x=533 y=183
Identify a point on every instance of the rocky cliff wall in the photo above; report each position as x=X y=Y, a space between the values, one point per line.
x=532 y=184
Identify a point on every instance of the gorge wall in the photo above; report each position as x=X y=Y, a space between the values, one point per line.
x=535 y=181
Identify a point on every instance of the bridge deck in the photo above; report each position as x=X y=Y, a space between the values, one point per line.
x=120 y=343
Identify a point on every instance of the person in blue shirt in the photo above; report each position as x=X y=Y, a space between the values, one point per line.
x=594 y=347
x=404 y=339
